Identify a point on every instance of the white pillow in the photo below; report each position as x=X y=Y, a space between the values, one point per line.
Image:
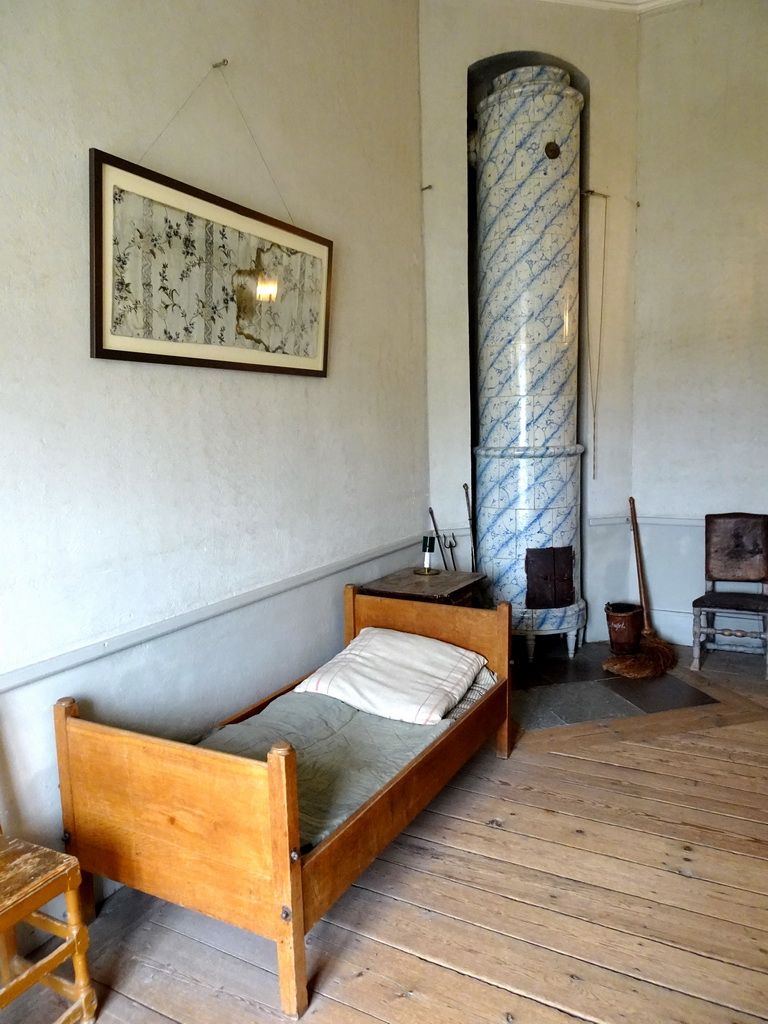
x=397 y=675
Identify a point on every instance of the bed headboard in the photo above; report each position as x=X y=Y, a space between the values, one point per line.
x=488 y=632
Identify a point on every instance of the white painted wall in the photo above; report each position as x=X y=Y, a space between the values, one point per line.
x=135 y=493
x=603 y=46
x=701 y=357
x=701 y=366
x=132 y=491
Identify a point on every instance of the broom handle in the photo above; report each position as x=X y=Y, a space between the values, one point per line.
x=639 y=563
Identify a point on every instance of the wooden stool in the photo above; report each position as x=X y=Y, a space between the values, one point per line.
x=30 y=876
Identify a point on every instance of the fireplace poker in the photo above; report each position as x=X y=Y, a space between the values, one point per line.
x=471 y=528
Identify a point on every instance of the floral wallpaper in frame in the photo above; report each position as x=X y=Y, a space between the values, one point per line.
x=182 y=276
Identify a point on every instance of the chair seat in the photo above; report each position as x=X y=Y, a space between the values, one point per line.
x=734 y=601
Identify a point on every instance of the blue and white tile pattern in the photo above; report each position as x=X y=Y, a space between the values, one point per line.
x=528 y=461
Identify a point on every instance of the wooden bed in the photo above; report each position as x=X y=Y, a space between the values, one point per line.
x=219 y=834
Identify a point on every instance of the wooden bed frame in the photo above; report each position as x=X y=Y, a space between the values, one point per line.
x=219 y=833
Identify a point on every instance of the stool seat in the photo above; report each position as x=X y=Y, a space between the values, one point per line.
x=31 y=876
x=26 y=868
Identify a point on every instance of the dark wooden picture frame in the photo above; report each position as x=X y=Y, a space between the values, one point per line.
x=179 y=275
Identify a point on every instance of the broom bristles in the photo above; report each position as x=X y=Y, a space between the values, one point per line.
x=654 y=658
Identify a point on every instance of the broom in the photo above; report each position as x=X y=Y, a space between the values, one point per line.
x=655 y=656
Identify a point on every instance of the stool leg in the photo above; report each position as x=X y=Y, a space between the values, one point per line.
x=7 y=953
x=79 y=933
x=87 y=899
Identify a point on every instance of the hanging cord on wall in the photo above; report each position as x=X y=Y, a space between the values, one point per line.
x=594 y=372
x=183 y=105
x=219 y=66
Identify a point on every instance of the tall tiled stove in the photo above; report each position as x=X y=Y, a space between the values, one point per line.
x=528 y=462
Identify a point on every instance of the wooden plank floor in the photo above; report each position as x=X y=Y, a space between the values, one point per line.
x=615 y=872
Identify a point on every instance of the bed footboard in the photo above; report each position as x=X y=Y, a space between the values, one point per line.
x=209 y=831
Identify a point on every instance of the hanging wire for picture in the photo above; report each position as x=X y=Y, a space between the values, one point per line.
x=253 y=139
x=219 y=66
x=165 y=128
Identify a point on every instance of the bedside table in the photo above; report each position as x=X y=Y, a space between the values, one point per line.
x=446 y=587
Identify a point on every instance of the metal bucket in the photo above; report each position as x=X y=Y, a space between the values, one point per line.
x=625 y=627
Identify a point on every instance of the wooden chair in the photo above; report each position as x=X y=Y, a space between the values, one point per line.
x=30 y=876
x=736 y=550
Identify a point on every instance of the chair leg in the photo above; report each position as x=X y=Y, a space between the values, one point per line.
x=696 y=663
x=765 y=633
x=710 y=638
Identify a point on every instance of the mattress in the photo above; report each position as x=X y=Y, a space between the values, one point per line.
x=343 y=756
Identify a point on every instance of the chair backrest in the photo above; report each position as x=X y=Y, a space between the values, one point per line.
x=736 y=547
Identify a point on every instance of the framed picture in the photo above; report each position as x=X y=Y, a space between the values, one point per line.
x=182 y=276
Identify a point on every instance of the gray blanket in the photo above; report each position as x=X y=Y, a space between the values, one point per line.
x=344 y=756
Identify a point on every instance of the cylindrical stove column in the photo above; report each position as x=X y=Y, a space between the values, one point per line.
x=528 y=459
